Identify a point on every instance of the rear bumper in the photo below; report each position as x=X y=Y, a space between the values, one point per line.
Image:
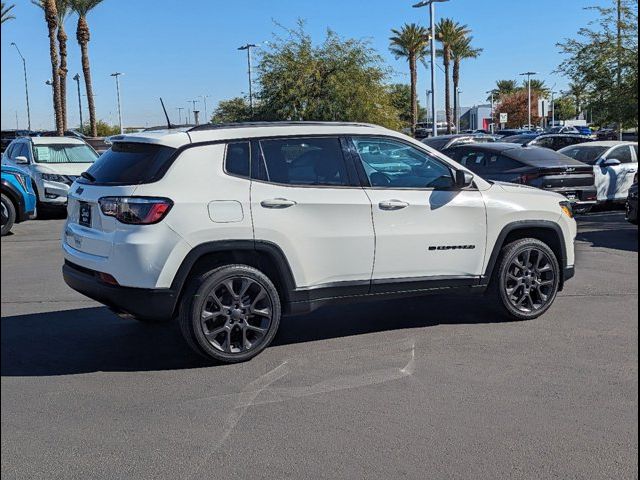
x=569 y=273
x=144 y=303
x=584 y=196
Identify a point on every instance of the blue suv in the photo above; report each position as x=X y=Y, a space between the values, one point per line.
x=18 y=197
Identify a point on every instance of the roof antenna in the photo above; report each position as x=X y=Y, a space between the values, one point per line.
x=166 y=115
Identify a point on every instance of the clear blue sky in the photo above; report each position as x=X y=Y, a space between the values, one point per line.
x=182 y=49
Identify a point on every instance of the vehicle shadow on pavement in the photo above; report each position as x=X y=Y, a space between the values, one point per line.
x=94 y=339
x=600 y=231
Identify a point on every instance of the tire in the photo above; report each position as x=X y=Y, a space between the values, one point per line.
x=8 y=214
x=238 y=302
x=526 y=286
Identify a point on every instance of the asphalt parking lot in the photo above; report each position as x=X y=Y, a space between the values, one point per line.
x=429 y=388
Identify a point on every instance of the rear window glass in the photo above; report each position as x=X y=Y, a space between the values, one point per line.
x=131 y=163
x=584 y=154
x=437 y=143
x=238 y=159
x=304 y=161
x=56 y=153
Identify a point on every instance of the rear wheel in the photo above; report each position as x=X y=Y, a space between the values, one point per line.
x=527 y=279
x=230 y=314
x=8 y=213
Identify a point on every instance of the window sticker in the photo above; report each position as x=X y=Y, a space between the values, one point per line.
x=42 y=154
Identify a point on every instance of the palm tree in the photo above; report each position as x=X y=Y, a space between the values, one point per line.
x=6 y=15
x=448 y=32
x=63 y=10
x=411 y=43
x=83 y=35
x=51 y=17
x=503 y=88
x=539 y=88
x=461 y=50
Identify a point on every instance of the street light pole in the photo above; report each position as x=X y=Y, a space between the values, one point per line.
x=180 y=114
x=553 y=109
x=117 y=75
x=248 y=48
x=193 y=102
x=432 y=15
x=204 y=100
x=26 y=85
x=428 y=101
x=77 y=79
x=528 y=75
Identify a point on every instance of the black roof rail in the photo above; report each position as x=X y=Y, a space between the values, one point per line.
x=218 y=126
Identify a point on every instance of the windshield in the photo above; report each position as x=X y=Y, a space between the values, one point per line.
x=584 y=154
x=60 y=153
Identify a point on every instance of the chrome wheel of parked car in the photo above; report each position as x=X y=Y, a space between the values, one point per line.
x=231 y=313
x=527 y=279
x=530 y=280
x=236 y=315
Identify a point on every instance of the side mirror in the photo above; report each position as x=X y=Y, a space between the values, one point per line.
x=611 y=162
x=21 y=160
x=463 y=179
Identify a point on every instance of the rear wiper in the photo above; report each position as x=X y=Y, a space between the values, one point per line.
x=88 y=176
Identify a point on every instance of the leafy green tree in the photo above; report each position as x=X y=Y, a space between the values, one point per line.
x=83 y=35
x=400 y=95
x=103 y=129
x=232 y=111
x=338 y=80
x=604 y=59
x=6 y=12
x=516 y=106
x=411 y=42
x=565 y=108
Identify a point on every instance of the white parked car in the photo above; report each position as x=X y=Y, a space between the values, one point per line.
x=615 y=165
x=226 y=228
x=54 y=164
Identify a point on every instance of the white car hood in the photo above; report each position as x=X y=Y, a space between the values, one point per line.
x=517 y=188
x=73 y=169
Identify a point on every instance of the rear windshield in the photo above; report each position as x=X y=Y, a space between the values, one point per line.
x=521 y=139
x=60 y=153
x=131 y=163
x=437 y=143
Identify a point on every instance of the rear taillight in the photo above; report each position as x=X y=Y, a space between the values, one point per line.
x=136 y=210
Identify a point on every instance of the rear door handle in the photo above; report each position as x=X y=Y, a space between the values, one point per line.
x=392 y=205
x=277 y=203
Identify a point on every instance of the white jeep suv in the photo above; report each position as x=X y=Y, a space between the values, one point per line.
x=227 y=227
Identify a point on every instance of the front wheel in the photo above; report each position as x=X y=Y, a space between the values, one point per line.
x=527 y=279
x=230 y=314
x=8 y=213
